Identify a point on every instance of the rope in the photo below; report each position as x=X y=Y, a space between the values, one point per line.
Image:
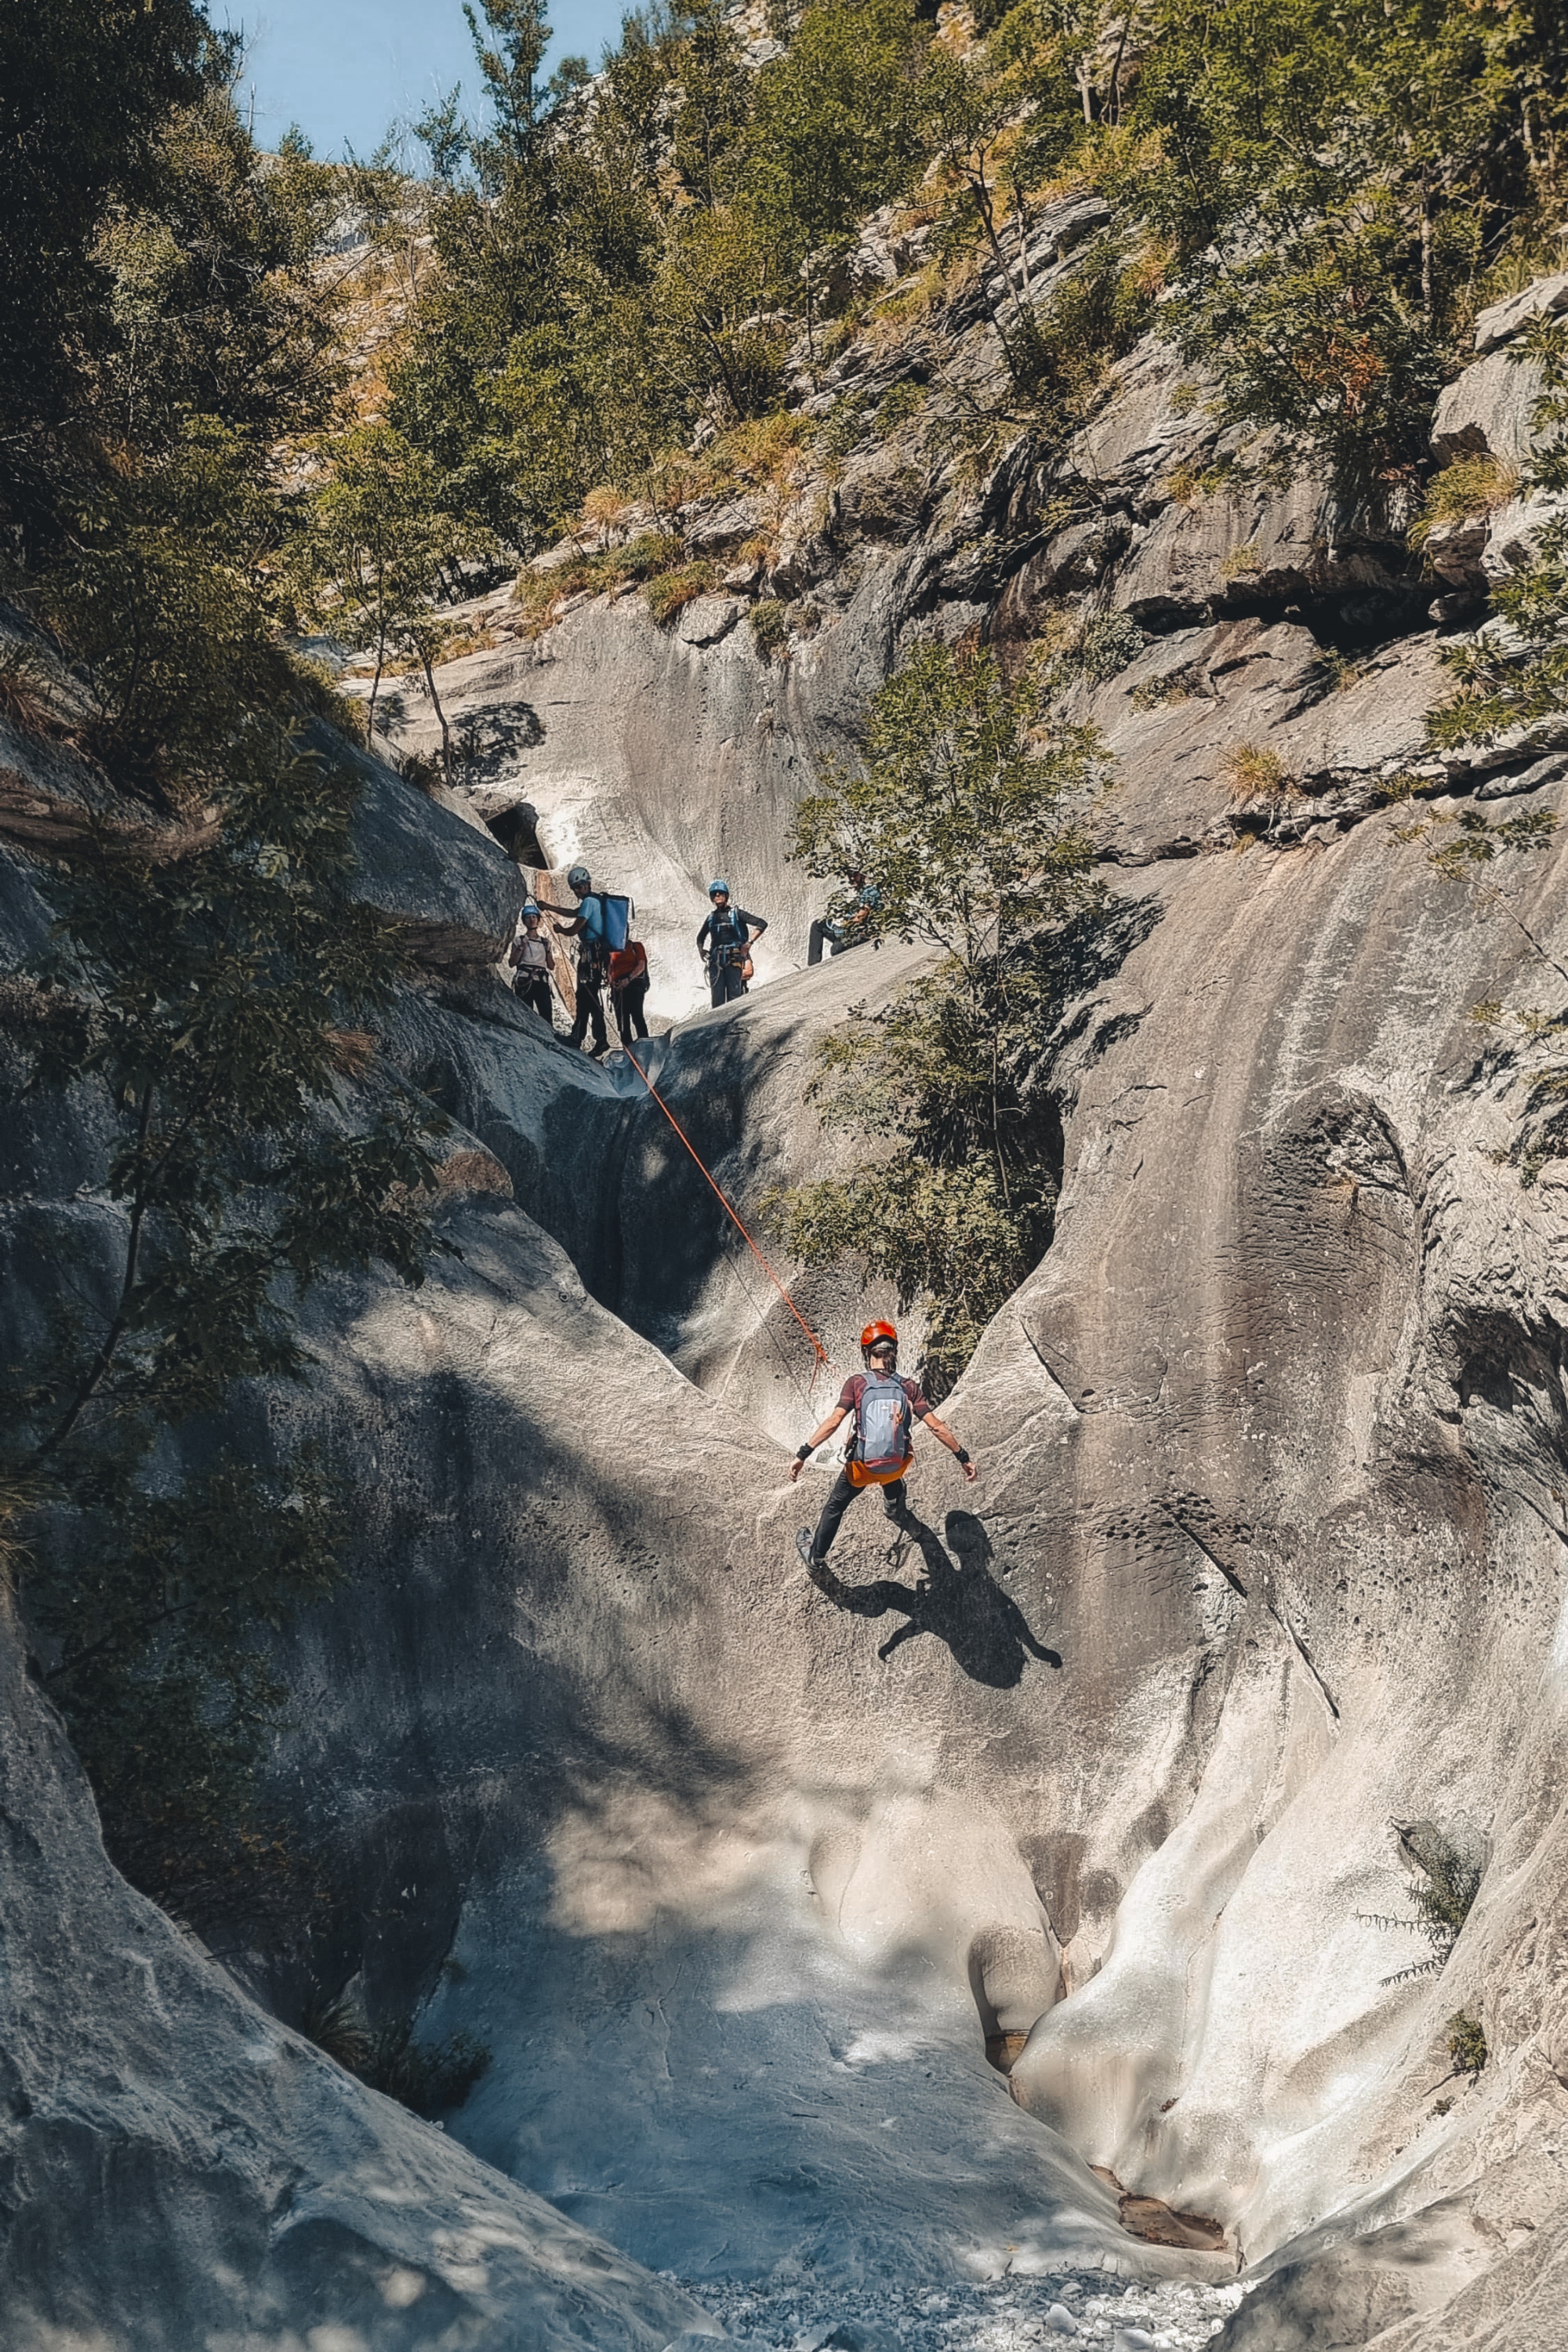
x=818 y=1350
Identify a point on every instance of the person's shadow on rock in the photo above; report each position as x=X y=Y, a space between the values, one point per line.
x=957 y=1599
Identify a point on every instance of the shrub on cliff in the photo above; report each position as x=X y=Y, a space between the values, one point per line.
x=967 y=811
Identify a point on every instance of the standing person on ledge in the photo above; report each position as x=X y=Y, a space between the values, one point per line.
x=530 y=959
x=586 y=926
x=885 y=1408
x=722 y=940
x=629 y=989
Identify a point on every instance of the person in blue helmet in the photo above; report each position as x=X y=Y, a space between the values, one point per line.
x=529 y=959
x=858 y=927
x=723 y=941
x=585 y=924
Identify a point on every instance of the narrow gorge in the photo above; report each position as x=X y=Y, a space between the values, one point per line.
x=1016 y=1935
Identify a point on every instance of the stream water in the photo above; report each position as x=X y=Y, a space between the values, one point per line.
x=1003 y=2315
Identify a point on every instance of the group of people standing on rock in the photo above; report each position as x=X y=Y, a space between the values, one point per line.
x=609 y=957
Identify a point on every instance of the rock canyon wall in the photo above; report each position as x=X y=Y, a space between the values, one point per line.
x=1096 y=1767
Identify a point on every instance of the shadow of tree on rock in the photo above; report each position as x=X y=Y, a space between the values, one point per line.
x=957 y=1599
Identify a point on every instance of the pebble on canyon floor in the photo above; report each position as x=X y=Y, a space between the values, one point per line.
x=1007 y=2315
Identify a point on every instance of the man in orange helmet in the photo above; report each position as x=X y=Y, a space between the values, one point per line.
x=885 y=1408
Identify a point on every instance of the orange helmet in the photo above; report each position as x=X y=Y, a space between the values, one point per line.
x=875 y=1332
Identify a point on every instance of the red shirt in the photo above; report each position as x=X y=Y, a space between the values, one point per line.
x=627 y=963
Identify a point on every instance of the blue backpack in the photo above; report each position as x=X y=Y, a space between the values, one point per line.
x=884 y=1420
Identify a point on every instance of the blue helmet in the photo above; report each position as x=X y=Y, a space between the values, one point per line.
x=531 y=907
x=714 y=889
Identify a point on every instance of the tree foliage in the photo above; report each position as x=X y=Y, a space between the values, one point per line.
x=620 y=272
x=206 y=1009
x=1315 y=193
x=967 y=812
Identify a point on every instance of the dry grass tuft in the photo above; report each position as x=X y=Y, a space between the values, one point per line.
x=1470 y=486
x=1254 y=771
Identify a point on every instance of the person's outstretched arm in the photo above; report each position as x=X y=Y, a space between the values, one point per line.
x=940 y=1429
x=834 y=1419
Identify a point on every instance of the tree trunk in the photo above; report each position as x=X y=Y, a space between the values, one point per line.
x=375 y=684
x=102 y=1363
x=1425 y=249
x=441 y=716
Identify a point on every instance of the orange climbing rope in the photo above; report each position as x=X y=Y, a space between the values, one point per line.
x=732 y=1212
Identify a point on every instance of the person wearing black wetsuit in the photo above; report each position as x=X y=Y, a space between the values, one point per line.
x=722 y=941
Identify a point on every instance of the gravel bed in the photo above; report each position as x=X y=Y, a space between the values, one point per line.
x=989 y=2316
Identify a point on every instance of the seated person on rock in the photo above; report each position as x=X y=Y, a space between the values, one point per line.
x=586 y=926
x=885 y=1408
x=629 y=989
x=723 y=941
x=530 y=955
x=859 y=928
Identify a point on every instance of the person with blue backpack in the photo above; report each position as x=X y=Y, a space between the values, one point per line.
x=886 y=1407
x=723 y=941
x=599 y=923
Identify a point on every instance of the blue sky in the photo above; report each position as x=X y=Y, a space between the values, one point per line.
x=345 y=69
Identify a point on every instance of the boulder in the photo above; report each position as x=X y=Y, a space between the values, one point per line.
x=1488 y=409
x=1509 y=318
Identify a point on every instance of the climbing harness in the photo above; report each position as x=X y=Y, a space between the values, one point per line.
x=823 y=1362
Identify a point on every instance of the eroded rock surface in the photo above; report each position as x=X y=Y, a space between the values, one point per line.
x=176 y=2169
x=738 y=1876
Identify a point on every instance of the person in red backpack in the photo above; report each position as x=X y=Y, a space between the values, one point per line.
x=629 y=989
x=885 y=1408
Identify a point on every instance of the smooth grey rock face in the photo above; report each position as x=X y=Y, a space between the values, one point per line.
x=1505 y=319
x=453 y=890
x=178 y=2169
x=1271 y=1452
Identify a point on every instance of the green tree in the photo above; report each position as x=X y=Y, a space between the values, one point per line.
x=838 y=130
x=86 y=92
x=200 y=1016
x=1328 y=179
x=968 y=811
x=966 y=808
x=381 y=551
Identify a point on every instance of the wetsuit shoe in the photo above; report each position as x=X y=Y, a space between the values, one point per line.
x=808 y=1556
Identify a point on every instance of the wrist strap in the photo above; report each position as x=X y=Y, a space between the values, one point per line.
x=961 y=1456
x=803 y=1454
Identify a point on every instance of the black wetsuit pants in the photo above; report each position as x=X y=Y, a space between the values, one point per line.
x=630 y=1018
x=840 y=937
x=725 y=983
x=895 y=1502
x=589 y=1007
x=533 y=989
